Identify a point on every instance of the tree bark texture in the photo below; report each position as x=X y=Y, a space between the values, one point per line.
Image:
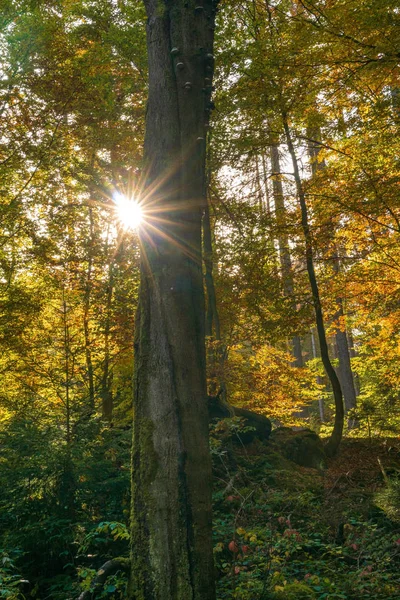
x=171 y=469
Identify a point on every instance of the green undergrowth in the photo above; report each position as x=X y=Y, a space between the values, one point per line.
x=287 y=532
x=281 y=531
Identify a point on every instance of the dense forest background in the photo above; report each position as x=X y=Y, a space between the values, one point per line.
x=302 y=164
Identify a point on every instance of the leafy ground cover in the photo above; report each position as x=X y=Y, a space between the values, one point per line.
x=287 y=532
x=282 y=531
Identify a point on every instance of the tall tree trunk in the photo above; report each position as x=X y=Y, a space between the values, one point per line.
x=216 y=354
x=259 y=189
x=216 y=351
x=106 y=375
x=171 y=468
x=319 y=379
x=336 y=436
x=212 y=316
x=344 y=371
x=266 y=186
x=353 y=354
x=86 y=315
x=283 y=243
x=66 y=482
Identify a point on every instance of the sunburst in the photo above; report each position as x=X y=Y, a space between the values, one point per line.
x=129 y=211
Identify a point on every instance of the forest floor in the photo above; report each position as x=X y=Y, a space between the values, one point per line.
x=283 y=531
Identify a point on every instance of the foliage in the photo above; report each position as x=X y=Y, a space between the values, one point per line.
x=264 y=380
x=282 y=537
x=388 y=499
x=10 y=580
x=50 y=503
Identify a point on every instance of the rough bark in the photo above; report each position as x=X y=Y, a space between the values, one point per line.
x=171 y=469
x=336 y=436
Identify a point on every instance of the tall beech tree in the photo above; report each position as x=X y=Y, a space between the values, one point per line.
x=171 y=470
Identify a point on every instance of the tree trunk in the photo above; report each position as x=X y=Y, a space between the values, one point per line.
x=107 y=401
x=336 y=436
x=171 y=468
x=216 y=351
x=266 y=186
x=344 y=371
x=86 y=315
x=283 y=243
x=212 y=316
x=319 y=379
x=353 y=354
x=216 y=355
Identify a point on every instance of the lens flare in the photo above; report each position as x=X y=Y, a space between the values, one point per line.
x=129 y=211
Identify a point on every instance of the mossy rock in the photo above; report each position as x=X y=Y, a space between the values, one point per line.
x=295 y=591
x=270 y=466
x=303 y=447
x=259 y=426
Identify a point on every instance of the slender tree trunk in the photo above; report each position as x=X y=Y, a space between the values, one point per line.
x=266 y=186
x=67 y=485
x=336 y=436
x=344 y=371
x=212 y=316
x=216 y=351
x=283 y=243
x=86 y=315
x=260 y=193
x=67 y=378
x=319 y=381
x=106 y=375
x=353 y=354
x=171 y=468
x=314 y=136
x=216 y=354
